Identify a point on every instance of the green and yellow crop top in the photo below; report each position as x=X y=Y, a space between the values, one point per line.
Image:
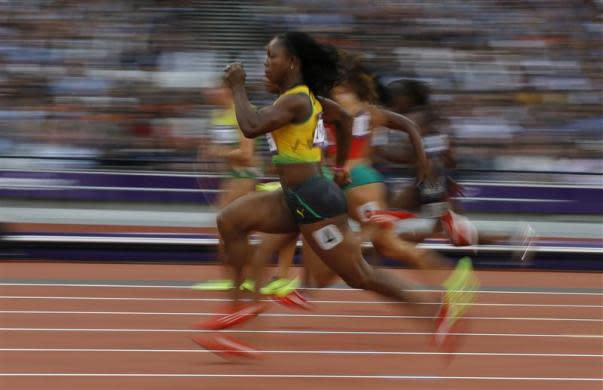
x=299 y=142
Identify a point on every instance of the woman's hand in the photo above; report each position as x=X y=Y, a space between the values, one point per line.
x=423 y=170
x=234 y=75
x=341 y=176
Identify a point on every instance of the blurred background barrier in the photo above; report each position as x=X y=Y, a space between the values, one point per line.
x=486 y=196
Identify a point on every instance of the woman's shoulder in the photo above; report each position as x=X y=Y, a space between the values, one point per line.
x=376 y=115
x=296 y=90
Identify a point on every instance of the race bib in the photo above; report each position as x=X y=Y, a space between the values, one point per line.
x=366 y=210
x=328 y=237
x=361 y=126
x=320 y=133
x=271 y=143
x=222 y=134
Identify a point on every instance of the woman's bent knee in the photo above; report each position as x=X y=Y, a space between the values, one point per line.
x=356 y=282
x=360 y=279
x=227 y=223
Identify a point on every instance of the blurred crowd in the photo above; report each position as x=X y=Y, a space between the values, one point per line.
x=119 y=84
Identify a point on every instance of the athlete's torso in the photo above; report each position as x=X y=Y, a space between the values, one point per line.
x=296 y=147
x=298 y=143
x=360 y=144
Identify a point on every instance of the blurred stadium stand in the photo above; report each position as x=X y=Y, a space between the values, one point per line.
x=116 y=84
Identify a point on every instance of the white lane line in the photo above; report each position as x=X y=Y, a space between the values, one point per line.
x=305 y=376
x=288 y=315
x=297 y=332
x=334 y=302
x=318 y=289
x=307 y=352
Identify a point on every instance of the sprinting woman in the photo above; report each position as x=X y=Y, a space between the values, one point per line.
x=308 y=202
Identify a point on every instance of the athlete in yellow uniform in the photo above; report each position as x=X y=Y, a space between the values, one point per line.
x=308 y=202
x=298 y=142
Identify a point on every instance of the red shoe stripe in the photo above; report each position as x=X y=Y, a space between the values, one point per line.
x=294 y=299
x=236 y=318
x=235 y=347
x=396 y=214
x=226 y=347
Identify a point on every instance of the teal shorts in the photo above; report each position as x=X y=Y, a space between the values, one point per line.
x=363 y=174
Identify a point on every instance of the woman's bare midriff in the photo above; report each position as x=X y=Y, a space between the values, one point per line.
x=352 y=163
x=292 y=175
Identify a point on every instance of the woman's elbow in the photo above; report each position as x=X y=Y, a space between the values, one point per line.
x=250 y=131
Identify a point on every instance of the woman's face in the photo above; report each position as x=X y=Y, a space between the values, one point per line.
x=277 y=65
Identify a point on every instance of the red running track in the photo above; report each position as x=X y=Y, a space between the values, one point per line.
x=124 y=326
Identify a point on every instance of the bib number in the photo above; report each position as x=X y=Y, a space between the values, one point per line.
x=327 y=237
x=271 y=143
x=361 y=126
x=365 y=211
x=225 y=135
x=320 y=133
